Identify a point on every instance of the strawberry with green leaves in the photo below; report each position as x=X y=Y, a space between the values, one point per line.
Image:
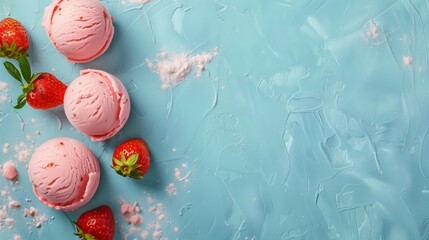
x=41 y=90
x=131 y=158
x=96 y=224
x=13 y=38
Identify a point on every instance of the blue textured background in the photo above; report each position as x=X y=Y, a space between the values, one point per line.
x=302 y=127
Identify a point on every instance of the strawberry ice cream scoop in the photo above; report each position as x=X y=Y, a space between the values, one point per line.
x=80 y=29
x=97 y=104
x=64 y=173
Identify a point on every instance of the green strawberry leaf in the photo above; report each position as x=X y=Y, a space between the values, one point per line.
x=118 y=163
x=132 y=159
x=13 y=71
x=24 y=65
x=21 y=101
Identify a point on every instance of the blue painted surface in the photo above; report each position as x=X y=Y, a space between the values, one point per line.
x=306 y=125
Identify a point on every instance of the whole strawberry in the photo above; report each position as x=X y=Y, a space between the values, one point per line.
x=96 y=224
x=13 y=38
x=41 y=90
x=131 y=158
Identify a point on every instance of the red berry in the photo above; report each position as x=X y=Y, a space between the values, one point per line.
x=131 y=158
x=42 y=90
x=98 y=223
x=13 y=38
x=48 y=92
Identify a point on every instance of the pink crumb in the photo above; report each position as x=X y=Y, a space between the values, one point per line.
x=17 y=237
x=176 y=229
x=9 y=221
x=131 y=213
x=30 y=212
x=157 y=234
x=171 y=189
x=14 y=204
x=9 y=171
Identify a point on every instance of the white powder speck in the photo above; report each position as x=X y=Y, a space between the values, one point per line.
x=174 y=69
x=4 y=90
x=17 y=237
x=6 y=148
x=4 y=86
x=171 y=189
x=408 y=60
x=139 y=1
x=374 y=31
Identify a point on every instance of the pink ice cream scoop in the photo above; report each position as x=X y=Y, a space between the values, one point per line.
x=64 y=173
x=80 y=29
x=97 y=104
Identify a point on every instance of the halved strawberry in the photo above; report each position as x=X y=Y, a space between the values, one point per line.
x=131 y=158
x=13 y=38
x=41 y=90
x=96 y=224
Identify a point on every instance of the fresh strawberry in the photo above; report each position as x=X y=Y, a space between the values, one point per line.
x=41 y=90
x=96 y=224
x=13 y=38
x=131 y=158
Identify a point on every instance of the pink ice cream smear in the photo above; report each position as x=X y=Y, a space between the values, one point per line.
x=64 y=173
x=97 y=104
x=82 y=30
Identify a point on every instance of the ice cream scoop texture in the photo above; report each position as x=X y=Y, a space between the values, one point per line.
x=82 y=30
x=97 y=104
x=64 y=173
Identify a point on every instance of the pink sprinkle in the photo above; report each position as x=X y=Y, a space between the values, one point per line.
x=14 y=204
x=176 y=229
x=9 y=171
